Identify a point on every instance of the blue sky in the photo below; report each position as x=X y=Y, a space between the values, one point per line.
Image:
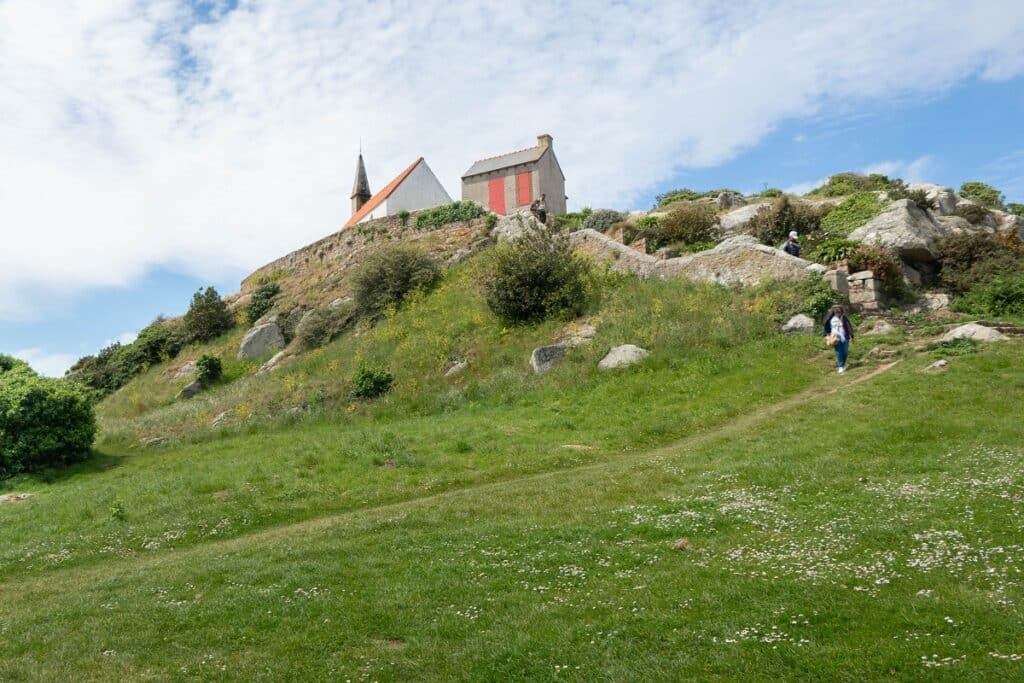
x=150 y=148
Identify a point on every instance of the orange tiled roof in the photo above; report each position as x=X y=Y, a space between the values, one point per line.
x=376 y=199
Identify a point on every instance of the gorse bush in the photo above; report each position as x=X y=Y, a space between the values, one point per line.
x=972 y=213
x=207 y=318
x=44 y=422
x=601 y=220
x=391 y=273
x=321 y=325
x=537 y=277
x=208 y=369
x=570 y=221
x=854 y=212
x=689 y=224
x=1001 y=295
x=370 y=381
x=847 y=183
x=456 y=212
x=773 y=223
x=262 y=301
x=982 y=193
x=969 y=261
x=833 y=250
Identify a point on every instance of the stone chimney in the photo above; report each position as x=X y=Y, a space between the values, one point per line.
x=361 y=186
x=544 y=140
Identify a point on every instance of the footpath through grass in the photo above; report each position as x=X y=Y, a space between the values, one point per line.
x=873 y=533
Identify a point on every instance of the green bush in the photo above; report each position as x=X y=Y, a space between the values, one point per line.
x=685 y=194
x=321 y=325
x=848 y=183
x=773 y=223
x=601 y=220
x=537 y=277
x=1001 y=295
x=883 y=262
x=648 y=223
x=391 y=273
x=771 y=193
x=207 y=318
x=1015 y=208
x=456 y=212
x=262 y=301
x=403 y=216
x=969 y=261
x=44 y=422
x=370 y=382
x=854 y=212
x=568 y=222
x=982 y=193
x=972 y=213
x=815 y=297
x=208 y=369
x=691 y=223
x=115 y=365
x=832 y=250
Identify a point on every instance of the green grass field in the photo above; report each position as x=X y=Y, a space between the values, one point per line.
x=504 y=526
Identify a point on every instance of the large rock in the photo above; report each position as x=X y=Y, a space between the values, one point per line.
x=730 y=200
x=261 y=340
x=191 y=389
x=623 y=356
x=1008 y=221
x=978 y=333
x=881 y=327
x=944 y=198
x=618 y=256
x=736 y=220
x=904 y=228
x=799 y=324
x=546 y=357
x=512 y=226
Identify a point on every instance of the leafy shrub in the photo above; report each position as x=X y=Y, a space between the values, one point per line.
x=537 y=277
x=770 y=192
x=961 y=346
x=982 y=193
x=601 y=220
x=816 y=297
x=689 y=224
x=1015 y=209
x=207 y=318
x=647 y=223
x=370 y=382
x=321 y=325
x=1001 y=295
x=848 y=183
x=922 y=200
x=208 y=369
x=772 y=224
x=854 y=212
x=570 y=221
x=883 y=262
x=391 y=273
x=115 y=365
x=262 y=301
x=833 y=250
x=972 y=213
x=456 y=212
x=44 y=422
x=685 y=194
x=403 y=216
x=968 y=260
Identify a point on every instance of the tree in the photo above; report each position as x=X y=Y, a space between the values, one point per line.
x=208 y=317
x=982 y=193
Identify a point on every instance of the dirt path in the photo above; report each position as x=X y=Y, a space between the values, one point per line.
x=271 y=534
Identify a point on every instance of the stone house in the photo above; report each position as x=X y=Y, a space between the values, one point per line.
x=413 y=189
x=509 y=182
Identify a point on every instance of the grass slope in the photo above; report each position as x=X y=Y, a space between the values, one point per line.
x=868 y=533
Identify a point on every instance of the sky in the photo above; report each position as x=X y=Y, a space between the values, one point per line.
x=148 y=148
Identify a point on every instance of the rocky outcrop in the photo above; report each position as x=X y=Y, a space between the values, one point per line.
x=881 y=327
x=736 y=221
x=191 y=389
x=273 y=363
x=546 y=357
x=943 y=198
x=619 y=257
x=623 y=356
x=904 y=228
x=730 y=200
x=261 y=340
x=799 y=324
x=978 y=333
x=512 y=226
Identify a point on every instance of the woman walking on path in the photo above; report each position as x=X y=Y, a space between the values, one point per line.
x=839 y=330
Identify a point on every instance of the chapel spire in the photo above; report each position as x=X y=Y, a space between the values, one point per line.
x=361 y=186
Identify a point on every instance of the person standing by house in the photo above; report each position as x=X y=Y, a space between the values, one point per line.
x=838 y=332
x=542 y=210
x=792 y=245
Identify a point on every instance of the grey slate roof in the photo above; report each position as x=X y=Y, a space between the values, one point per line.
x=523 y=156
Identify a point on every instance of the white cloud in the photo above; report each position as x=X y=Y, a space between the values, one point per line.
x=49 y=364
x=135 y=135
x=805 y=187
x=123 y=339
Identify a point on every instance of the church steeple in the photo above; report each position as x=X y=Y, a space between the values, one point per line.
x=361 y=187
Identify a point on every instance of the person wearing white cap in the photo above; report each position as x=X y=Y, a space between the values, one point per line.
x=792 y=245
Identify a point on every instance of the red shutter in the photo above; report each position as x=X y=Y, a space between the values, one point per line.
x=525 y=188
x=496 y=192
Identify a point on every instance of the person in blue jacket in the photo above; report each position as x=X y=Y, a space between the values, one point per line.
x=838 y=324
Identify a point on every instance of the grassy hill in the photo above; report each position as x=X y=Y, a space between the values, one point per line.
x=499 y=525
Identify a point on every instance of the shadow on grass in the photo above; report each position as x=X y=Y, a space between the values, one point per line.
x=97 y=463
